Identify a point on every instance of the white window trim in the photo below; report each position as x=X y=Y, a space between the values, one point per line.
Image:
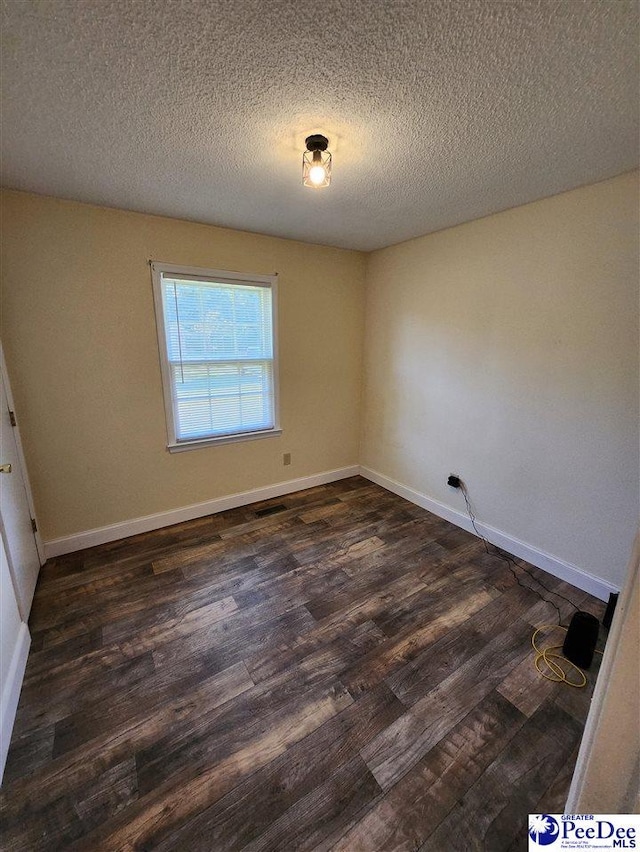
x=219 y=276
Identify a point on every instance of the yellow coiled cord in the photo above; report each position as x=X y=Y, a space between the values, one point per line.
x=556 y=671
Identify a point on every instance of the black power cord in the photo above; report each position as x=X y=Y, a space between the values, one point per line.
x=506 y=557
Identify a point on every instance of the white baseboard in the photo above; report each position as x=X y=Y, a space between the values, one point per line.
x=547 y=562
x=552 y=564
x=113 y=532
x=11 y=692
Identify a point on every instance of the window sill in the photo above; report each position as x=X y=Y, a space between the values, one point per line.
x=224 y=439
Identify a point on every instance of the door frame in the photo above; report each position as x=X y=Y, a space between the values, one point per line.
x=607 y=764
x=23 y=464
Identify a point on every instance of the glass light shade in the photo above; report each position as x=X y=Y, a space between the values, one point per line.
x=316 y=169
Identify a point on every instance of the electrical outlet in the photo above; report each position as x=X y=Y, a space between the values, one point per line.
x=286 y=458
x=454 y=480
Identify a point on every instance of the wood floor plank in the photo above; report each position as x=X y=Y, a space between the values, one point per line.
x=387 y=657
x=29 y=752
x=188 y=792
x=45 y=663
x=266 y=661
x=82 y=768
x=335 y=669
x=412 y=809
x=194 y=603
x=46 y=830
x=131 y=603
x=222 y=647
x=494 y=811
x=116 y=789
x=298 y=586
x=45 y=707
x=554 y=797
x=394 y=752
x=214 y=735
x=247 y=811
x=576 y=702
x=126 y=597
x=330 y=805
x=526 y=689
x=177 y=628
x=438 y=660
x=116 y=708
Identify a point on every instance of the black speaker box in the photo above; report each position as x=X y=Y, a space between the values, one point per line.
x=581 y=638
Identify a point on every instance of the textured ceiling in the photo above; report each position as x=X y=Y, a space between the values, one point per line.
x=437 y=111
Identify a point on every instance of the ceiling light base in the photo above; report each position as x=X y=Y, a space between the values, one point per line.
x=316 y=142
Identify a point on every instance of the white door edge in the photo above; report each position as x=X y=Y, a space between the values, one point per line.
x=23 y=464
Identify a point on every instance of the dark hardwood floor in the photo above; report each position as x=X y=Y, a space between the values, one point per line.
x=332 y=670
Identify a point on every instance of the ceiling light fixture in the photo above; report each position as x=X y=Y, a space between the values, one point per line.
x=316 y=162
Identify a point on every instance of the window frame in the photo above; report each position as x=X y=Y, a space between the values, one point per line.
x=219 y=276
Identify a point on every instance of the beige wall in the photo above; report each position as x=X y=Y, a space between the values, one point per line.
x=79 y=333
x=506 y=350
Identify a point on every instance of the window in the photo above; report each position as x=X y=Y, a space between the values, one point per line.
x=216 y=334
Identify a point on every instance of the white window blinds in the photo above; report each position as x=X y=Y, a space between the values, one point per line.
x=219 y=350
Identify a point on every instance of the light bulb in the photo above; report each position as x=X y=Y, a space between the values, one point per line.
x=317 y=175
